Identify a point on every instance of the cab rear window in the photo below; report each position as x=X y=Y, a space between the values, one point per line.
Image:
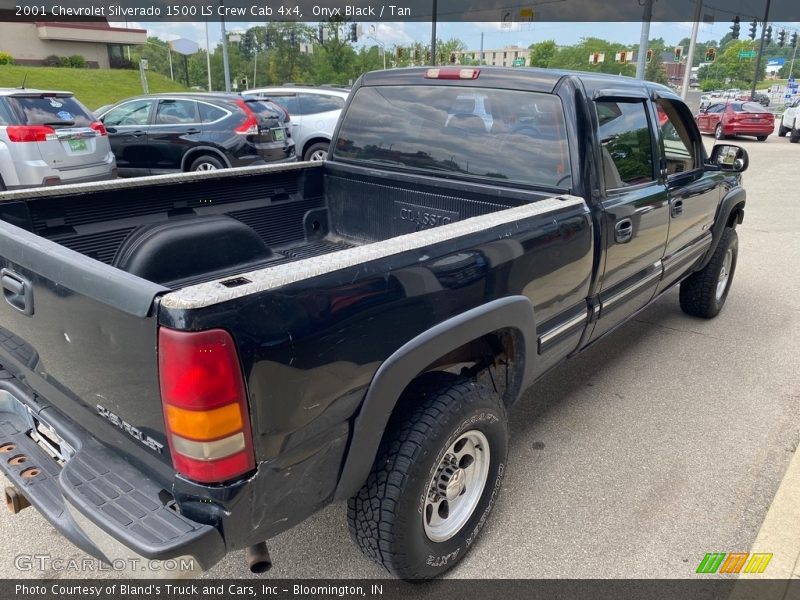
x=49 y=110
x=464 y=132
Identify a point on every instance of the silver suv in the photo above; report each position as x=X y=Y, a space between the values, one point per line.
x=314 y=112
x=49 y=138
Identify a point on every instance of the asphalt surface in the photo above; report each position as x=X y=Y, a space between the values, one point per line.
x=665 y=441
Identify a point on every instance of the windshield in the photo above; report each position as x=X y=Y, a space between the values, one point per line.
x=518 y=137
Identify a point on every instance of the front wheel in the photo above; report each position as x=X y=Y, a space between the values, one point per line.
x=703 y=293
x=782 y=131
x=795 y=135
x=317 y=152
x=435 y=479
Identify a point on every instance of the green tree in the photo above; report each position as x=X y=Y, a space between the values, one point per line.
x=542 y=53
x=730 y=65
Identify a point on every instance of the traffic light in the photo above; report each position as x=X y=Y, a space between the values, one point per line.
x=793 y=40
x=428 y=57
x=649 y=55
x=416 y=55
x=678 y=53
x=353 y=32
x=452 y=58
x=399 y=53
x=782 y=39
x=735 y=28
x=243 y=83
x=753 y=27
x=768 y=35
x=711 y=55
x=292 y=37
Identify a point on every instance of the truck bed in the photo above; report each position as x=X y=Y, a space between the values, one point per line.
x=297 y=211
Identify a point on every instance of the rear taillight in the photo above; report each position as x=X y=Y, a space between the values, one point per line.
x=30 y=133
x=205 y=405
x=250 y=125
x=99 y=128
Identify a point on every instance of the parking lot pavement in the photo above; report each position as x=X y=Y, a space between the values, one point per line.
x=666 y=441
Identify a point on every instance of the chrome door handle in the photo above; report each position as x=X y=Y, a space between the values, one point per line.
x=623 y=231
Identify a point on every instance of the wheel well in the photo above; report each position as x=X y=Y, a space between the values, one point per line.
x=736 y=215
x=312 y=141
x=195 y=153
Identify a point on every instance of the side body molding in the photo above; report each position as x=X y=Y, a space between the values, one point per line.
x=513 y=313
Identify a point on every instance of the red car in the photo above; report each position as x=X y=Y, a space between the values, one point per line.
x=736 y=118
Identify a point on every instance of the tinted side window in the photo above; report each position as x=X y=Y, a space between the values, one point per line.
x=312 y=104
x=290 y=103
x=679 y=147
x=130 y=113
x=175 y=112
x=209 y=114
x=626 y=143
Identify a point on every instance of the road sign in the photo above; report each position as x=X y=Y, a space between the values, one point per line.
x=518 y=62
x=747 y=54
x=184 y=46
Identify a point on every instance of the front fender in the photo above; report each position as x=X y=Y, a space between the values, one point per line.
x=730 y=212
x=396 y=372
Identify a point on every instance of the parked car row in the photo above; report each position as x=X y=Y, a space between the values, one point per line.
x=49 y=137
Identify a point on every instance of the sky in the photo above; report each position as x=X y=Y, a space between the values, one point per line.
x=495 y=37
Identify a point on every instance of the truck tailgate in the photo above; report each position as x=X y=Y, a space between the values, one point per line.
x=82 y=335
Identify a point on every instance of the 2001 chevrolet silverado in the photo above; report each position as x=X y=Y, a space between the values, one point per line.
x=192 y=364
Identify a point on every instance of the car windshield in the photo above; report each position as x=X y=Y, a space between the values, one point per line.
x=51 y=110
x=518 y=137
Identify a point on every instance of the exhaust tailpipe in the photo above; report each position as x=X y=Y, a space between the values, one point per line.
x=15 y=501
x=258 y=558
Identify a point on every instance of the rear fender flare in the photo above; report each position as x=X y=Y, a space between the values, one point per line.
x=513 y=313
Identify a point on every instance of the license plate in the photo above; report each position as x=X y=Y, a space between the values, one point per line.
x=77 y=145
x=278 y=134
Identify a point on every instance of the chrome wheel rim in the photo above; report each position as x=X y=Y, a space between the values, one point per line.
x=318 y=155
x=457 y=486
x=206 y=167
x=718 y=132
x=724 y=274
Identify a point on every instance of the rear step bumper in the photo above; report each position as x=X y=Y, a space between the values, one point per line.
x=97 y=500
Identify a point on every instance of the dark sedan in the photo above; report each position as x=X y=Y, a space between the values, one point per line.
x=736 y=118
x=170 y=133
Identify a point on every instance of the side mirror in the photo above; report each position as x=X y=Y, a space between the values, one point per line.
x=728 y=157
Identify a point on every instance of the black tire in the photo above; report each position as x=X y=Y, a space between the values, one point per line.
x=206 y=162
x=761 y=138
x=718 y=132
x=782 y=131
x=318 y=148
x=389 y=516
x=699 y=294
x=795 y=135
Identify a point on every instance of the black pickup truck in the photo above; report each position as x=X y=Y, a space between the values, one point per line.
x=194 y=363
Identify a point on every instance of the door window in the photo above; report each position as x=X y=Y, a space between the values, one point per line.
x=211 y=114
x=131 y=113
x=176 y=112
x=678 y=144
x=626 y=143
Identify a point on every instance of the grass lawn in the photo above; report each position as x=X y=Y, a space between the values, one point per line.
x=93 y=87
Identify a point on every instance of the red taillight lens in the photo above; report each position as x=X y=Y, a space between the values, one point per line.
x=250 y=125
x=451 y=73
x=99 y=128
x=205 y=405
x=30 y=133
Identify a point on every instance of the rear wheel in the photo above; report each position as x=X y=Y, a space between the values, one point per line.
x=761 y=138
x=703 y=293
x=718 y=132
x=795 y=135
x=206 y=163
x=435 y=479
x=317 y=152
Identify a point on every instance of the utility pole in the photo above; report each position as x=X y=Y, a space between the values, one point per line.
x=760 y=51
x=208 y=58
x=481 y=61
x=644 y=39
x=433 y=33
x=225 y=65
x=687 y=73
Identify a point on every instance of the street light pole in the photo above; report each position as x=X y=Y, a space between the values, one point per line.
x=644 y=39
x=687 y=73
x=433 y=33
x=208 y=58
x=760 y=51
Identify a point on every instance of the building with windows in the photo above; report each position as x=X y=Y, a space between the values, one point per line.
x=97 y=42
x=504 y=57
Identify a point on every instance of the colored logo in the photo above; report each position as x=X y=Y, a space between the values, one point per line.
x=721 y=562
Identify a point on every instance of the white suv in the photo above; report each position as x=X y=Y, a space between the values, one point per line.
x=790 y=121
x=49 y=138
x=314 y=112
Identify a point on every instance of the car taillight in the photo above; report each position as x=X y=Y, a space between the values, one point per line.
x=205 y=405
x=452 y=73
x=99 y=128
x=30 y=133
x=250 y=125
